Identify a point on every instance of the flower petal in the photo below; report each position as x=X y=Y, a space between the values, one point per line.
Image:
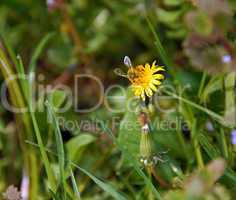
x=149 y=92
x=156 y=82
x=158 y=69
x=159 y=76
x=147 y=67
x=143 y=96
x=153 y=87
x=153 y=65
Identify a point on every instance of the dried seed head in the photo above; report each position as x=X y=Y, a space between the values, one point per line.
x=12 y=193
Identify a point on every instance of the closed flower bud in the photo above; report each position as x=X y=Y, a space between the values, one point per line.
x=145 y=144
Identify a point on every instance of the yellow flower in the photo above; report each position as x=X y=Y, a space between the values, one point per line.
x=145 y=79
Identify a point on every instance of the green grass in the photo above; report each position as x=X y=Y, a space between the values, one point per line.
x=101 y=159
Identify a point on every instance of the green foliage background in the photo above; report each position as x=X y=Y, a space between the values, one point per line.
x=189 y=37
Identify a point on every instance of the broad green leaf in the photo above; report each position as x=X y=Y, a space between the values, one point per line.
x=57 y=98
x=168 y=16
x=78 y=142
x=130 y=130
x=178 y=33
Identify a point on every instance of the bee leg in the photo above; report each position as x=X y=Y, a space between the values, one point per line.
x=164 y=152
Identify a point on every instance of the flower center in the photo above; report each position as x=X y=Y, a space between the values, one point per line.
x=139 y=77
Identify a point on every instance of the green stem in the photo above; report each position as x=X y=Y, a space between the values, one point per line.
x=224 y=143
x=45 y=159
x=214 y=115
x=18 y=102
x=204 y=76
x=230 y=103
x=196 y=145
x=150 y=194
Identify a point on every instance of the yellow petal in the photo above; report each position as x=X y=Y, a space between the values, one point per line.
x=158 y=69
x=154 y=65
x=149 y=92
x=156 y=82
x=161 y=68
x=137 y=90
x=158 y=76
x=147 y=67
x=143 y=96
x=153 y=87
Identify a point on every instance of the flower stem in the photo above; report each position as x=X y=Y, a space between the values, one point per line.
x=197 y=148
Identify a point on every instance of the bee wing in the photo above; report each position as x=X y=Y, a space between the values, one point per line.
x=127 y=61
x=119 y=72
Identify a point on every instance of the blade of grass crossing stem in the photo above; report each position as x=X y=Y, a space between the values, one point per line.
x=133 y=161
x=59 y=145
x=49 y=171
x=214 y=115
x=45 y=159
x=105 y=186
x=38 y=51
x=74 y=185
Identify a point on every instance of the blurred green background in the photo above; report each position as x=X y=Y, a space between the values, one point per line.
x=59 y=39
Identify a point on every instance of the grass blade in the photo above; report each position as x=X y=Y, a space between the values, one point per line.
x=105 y=186
x=214 y=115
x=10 y=52
x=161 y=51
x=45 y=159
x=23 y=78
x=213 y=153
x=75 y=188
x=38 y=51
x=59 y=146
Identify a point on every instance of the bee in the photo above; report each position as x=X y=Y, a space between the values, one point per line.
x=144 y=78
x=127 y=63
